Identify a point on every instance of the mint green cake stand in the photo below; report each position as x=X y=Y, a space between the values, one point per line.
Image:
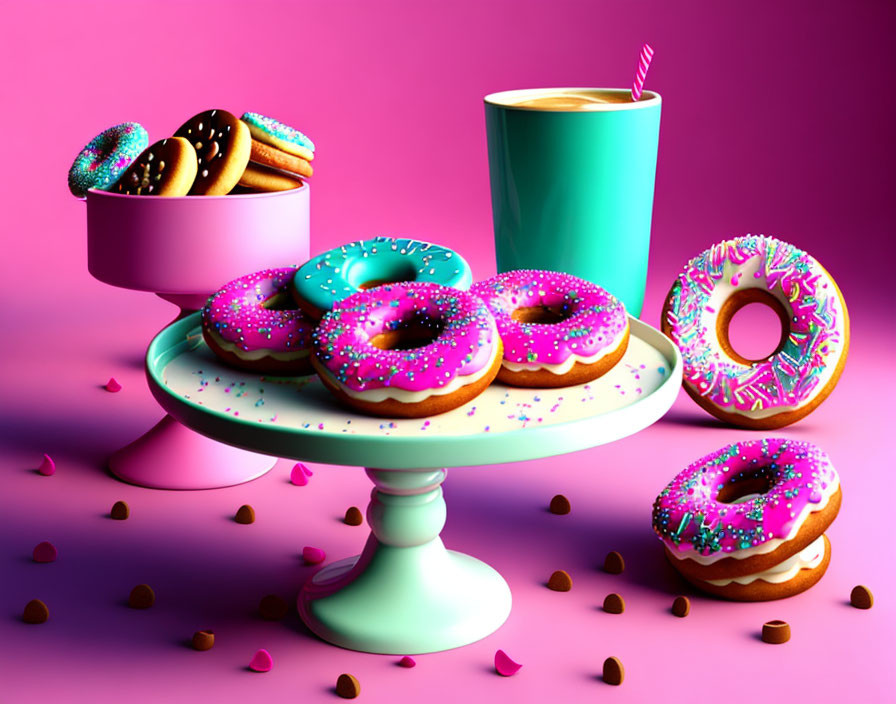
x=405 y=593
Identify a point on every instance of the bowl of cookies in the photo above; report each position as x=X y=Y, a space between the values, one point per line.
x=221 y=196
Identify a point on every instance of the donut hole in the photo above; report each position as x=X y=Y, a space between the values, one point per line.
x=540 y=315
x=746 y=487
x=752 y=326
x=418 y=331
x=381 y=269
x=280 y=301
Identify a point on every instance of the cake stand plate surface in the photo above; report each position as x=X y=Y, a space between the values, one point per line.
x=298 y=418
x=406 y=593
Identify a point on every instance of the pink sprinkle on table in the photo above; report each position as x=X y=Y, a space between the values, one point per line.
x=299 y=474
x=112 y=386
x=47 y=466
x=261 y=661
x=313 y=556
x=504 y=666
x=407 y=661
x=44 y=552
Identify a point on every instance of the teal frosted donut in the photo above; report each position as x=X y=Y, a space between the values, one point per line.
x=102 y=162
x=332 y=276
x=273 y=132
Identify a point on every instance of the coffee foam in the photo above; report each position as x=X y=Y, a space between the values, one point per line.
x=573 y=101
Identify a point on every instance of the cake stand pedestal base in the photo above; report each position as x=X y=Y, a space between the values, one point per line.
x=405 y=594
x=170 y=456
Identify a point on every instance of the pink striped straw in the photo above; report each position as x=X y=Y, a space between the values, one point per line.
x=641 y=74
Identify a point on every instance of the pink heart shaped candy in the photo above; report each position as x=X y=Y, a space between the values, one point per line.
x=261 y=661
x=47 y=466
x=299 y=474
x=313 y=556
x=504 y=666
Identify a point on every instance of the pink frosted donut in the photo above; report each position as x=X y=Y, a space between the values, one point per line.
x=800 y=373
x=408 y=349
x=252 y=323
x=557 y=329
x=748 y=520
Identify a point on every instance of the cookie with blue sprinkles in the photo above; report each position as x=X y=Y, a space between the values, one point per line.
x=267 y=130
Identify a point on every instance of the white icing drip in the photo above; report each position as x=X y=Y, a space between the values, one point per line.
x=808 y=558
x=566 y=366
x=405 y=396
x=722 y=290
x=255 y=355
x=768 y=545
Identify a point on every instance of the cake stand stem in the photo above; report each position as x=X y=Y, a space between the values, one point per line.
x=170 y=456
x=405 y=593
x=187 y=302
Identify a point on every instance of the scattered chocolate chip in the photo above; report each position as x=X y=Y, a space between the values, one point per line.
x=559 y=505
x=112 y=386
x=353 y=516
x=861 y=597
x=44 y=552
x=245 y=515
x=261 y=661
x=407 y=661
x=614 y=672
x=504 y=666
x=142 y=597
x=36 y=611
x=347 y=686
x=681 y=607
x=273 y=608
x=775 y=632
x=203 y=640
x=120 y=511
x=47 y=466
x=613 y=563
x=560 y=581
x=614 y=604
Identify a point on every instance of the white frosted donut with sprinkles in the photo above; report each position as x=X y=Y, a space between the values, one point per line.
x=253 y=323
x=557 y=329
x=407 y=349
x=804 y=368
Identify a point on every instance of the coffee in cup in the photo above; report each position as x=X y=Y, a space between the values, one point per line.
x=572 y=101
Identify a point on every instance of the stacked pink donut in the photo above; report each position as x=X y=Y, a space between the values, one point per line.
x=747 y=521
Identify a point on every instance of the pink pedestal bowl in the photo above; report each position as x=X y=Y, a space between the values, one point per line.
x=183 y=249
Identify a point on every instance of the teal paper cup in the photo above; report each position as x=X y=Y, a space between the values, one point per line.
x=572 y=190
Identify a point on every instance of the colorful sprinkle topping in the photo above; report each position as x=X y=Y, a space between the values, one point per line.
x=255 y=313
x=106 y=157
x=332 y=276
x=590 y=318
x=705 y=510
x=277 y=129
x=462 y=330
x=815 y=340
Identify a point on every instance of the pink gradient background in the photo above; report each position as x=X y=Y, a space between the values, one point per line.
x=774 y=121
